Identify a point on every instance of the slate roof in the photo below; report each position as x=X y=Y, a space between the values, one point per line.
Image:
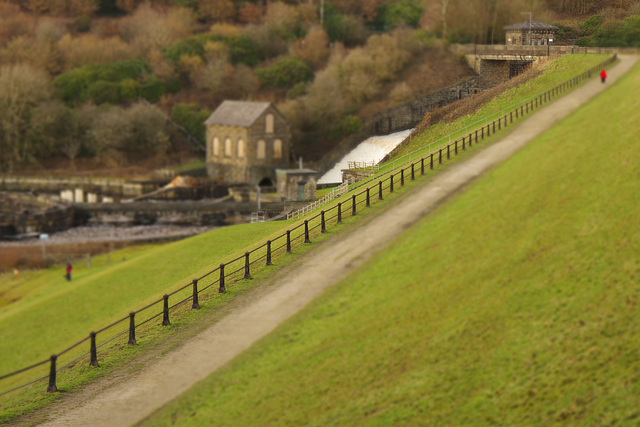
x=535 y=25
x=237 y=113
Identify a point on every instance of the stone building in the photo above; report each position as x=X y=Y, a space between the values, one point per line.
x=247 y=142
x=297 y=184
x=531 y=33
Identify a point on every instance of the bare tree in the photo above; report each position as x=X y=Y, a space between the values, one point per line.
x=22 y=87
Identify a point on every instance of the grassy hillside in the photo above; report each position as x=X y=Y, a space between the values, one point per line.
x=103 y=293
x=515 y=303
x=552 y=73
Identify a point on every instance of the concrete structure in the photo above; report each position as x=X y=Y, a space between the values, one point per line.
x=531 y=33
x=297 y=184
x=247 y=142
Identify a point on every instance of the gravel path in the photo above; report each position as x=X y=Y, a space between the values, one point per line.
x=132 y=398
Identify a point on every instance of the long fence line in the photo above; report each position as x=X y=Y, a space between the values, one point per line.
x=264 y=256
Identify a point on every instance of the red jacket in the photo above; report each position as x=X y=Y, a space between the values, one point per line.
x=603 y=74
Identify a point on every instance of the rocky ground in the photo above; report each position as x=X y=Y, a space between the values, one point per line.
x=113 y=234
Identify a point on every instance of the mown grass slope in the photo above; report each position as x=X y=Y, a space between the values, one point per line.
x=53 y=313
x=516 y=303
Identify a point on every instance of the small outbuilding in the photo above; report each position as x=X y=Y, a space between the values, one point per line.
x=247 y=142
x=531 y=33
x=297 y=184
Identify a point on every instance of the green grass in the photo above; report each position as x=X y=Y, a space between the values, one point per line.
x=106 y=292
x=115 y=355
x=514 y=304
x=556 y=72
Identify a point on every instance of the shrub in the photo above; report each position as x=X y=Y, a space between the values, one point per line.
x=191 y=117
x=122 y=81
x=285 y=73
x=392 y=15
x=241 y=48
x=348 y=125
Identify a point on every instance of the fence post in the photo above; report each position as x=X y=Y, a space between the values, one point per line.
x=222 y=289
x=269 y=251
x=353 y=205
x=441 y=156
x=470 y=136
x=476 y=136
x=464 y=147
x=380 y=190
x=368 y=204
x=196 y=303
x=482 y=130
x=413 y=172
x=323 y=227
x=339 y=212
x=494 y=126
x=289 y=242
x=132 y=328
x=52 y=375
x=306 y=231
x=499 y=124
x=391 y=184
x=402 y=177
x=456 y=146
x=431 y=160
x=448 y=151
x=247 y=268
x=165 y=311
x=422 y=166
x=94 y=350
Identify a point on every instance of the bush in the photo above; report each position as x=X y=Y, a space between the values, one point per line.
x=591 y=24
x=392 y=15
x=350 y=124
x=285 y=73
x=241 y=48
x=191 y=117
x=110 y=83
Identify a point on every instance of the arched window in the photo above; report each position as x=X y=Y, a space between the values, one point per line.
x=228 y=148
x=216 y=147
x=277 y=149
x=269 y=123
x=242 y=148
x=261 y=152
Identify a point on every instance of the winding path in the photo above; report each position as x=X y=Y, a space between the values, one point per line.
x=129 y=399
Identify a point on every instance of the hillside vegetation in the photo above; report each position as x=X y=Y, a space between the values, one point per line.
x=89 y=84
x=515 y=303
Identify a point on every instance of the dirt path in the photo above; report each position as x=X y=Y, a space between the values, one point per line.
x=131 y=399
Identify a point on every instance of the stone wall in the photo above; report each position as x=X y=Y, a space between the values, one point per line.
x=408 y=115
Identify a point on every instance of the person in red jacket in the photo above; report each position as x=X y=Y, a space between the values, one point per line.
x=69 y=271
x=603 y=75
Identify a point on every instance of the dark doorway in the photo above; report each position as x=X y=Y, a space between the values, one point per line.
x=266 y=182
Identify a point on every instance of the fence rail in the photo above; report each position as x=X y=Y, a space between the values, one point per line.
x=241 y=268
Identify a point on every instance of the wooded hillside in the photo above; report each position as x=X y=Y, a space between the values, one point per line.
x=97 y=80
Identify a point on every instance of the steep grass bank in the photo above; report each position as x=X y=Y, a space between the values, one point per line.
x=107 y=291
x=516 y=303
x=553 y=73
x=127 y=352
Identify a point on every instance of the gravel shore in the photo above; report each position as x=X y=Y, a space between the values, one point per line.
x=113 y=234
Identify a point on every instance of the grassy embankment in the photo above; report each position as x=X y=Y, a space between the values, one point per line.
x=515 y=303
x=50 y=296
x=555 y=72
